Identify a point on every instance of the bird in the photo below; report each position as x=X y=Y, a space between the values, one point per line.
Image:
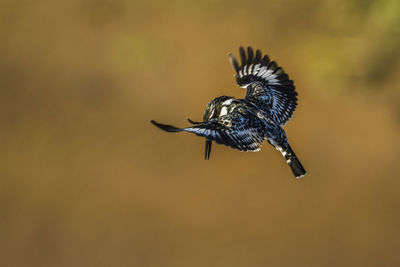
x=244 y=124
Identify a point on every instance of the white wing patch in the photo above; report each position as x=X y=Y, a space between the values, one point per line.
x=224 y=111
x=263 y=72
x=267 y=84
x=228 y=102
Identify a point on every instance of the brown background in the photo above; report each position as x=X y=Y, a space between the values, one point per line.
x=86 y=180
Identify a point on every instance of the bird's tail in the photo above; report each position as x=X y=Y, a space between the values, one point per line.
x=291 y=159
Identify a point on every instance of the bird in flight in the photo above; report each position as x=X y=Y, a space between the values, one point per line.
x=245 y=123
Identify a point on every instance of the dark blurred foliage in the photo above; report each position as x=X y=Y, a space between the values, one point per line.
x=86 y=180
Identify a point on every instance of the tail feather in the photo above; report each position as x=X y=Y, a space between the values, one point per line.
x=294 y=163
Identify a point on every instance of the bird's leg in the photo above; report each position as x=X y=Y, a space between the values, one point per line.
x=208 y=149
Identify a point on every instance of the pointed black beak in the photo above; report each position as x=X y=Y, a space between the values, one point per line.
x=208 y=149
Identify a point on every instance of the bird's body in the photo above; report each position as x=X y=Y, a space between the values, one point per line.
x=244 y=124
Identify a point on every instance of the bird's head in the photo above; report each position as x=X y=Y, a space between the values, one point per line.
x=217 y=107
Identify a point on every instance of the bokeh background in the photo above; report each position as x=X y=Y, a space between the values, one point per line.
x=86 y=180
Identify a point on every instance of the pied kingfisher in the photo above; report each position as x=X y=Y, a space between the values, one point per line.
x=243 y=124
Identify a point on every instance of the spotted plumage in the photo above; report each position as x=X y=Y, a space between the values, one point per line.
x=244 y=124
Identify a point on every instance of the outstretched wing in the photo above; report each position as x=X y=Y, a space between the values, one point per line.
x=235 y=130
x=268 y=86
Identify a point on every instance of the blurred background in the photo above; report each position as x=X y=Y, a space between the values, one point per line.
x=86 y=180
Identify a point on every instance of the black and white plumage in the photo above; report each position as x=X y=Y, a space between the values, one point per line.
x=244 y=124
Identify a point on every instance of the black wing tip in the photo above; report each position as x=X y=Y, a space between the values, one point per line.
x=248 y=56
x=166 y=127
x=258 y=56
x=265 y=60
x=234 y=62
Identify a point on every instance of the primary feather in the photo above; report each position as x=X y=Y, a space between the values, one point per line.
x=267 y=85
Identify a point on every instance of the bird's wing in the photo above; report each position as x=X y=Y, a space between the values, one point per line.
x=268 y=86
x=235 y=130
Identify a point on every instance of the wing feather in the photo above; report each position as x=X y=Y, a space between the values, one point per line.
x=238 y=130
x=267 y=84
x=237 y=136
